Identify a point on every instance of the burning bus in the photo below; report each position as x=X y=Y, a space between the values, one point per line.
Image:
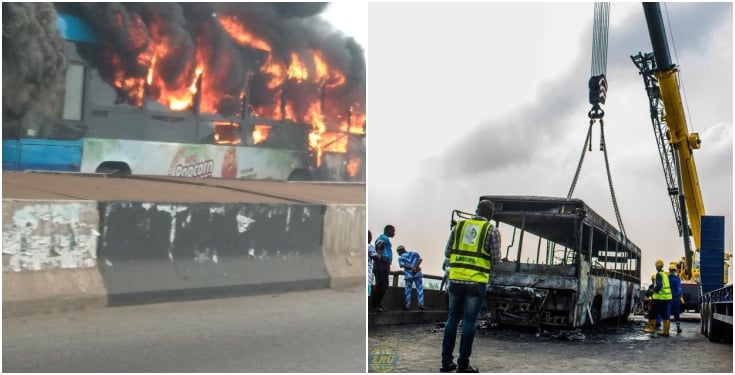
x=232 y=90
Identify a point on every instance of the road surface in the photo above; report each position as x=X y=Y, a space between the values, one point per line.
x=315 y=331
x=608 y=348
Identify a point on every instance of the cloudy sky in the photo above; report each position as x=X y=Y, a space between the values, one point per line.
x=478 y=99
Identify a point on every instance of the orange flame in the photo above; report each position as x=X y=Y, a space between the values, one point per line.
x=261 y=133
x=276 y=70
x=330 y=124
x=133 y=86
x=333 y=142
x=297 y=71
x=321 y=67
x=232 y=25
x=226 y=132
x=352 y=166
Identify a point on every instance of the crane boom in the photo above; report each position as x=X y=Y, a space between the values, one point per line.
x=691 y=206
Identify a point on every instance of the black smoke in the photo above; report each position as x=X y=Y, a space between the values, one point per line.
x=127 y=29
x=34 y=62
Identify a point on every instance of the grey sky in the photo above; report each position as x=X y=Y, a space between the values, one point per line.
x=475 y=99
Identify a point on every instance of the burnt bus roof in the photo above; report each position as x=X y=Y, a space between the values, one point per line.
x=553 y=218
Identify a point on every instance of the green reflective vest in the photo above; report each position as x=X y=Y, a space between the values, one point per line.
x=468 y=260
x=665 y=292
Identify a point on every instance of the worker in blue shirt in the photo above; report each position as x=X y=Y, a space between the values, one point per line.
x=381 y=267
x=676 y=293
x=410 y=261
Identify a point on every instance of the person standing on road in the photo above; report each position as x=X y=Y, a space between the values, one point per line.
x=676 y=292
x=661 y=300
x=382 y=267
x=473 y=246
x=372 y=257
x=650 y=312
x=410 y=261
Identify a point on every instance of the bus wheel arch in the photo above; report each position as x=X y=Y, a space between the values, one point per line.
x=300 y=174
x=114 y=167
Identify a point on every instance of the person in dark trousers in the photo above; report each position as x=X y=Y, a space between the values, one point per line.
x=382 y=267
x=650 y=312
x=661 y=300
x=473 y=246
x=676 y=297
x=410 y=261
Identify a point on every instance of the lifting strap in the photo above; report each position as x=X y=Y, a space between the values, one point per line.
x=597 y=97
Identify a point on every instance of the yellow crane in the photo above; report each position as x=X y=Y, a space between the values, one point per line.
x=676 y=145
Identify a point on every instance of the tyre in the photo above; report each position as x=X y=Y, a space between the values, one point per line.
x=715 y=327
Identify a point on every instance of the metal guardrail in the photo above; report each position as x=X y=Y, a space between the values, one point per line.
x=396 y=274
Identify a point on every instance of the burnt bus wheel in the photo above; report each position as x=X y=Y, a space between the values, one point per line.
x=114 y=168
x=300 y=175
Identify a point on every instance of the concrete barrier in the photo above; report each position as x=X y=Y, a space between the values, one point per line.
x=49 y=256
x=157 y=251
x=66 y=255
x=345 y=241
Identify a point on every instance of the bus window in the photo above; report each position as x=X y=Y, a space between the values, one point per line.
x=226 y=132
x=154 y=105
x=74 y=90
x=261 y=133
x=102 y=93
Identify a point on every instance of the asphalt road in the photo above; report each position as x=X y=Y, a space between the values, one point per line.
x=314 y=331
x=608 y=348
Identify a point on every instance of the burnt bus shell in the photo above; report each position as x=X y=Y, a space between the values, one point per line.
x=590 y=271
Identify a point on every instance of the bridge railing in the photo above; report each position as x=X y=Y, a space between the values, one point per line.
x=395 y=276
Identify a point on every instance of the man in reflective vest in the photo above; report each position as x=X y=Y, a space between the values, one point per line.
x=473 y=246
x=661 y=299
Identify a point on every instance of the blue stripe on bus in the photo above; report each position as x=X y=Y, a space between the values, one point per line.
x=50 y=167
x=42 y=154
x=74 y=28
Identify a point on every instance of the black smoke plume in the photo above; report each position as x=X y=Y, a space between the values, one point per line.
x=34 y=62
x=124 y=31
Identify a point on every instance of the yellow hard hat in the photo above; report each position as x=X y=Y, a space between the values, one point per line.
x=653 y=277
x=659 y=263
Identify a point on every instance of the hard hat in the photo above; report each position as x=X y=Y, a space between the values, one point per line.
x=659 y=263
x=653 y=277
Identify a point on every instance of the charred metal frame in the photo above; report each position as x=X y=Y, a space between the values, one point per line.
x=596 y=278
